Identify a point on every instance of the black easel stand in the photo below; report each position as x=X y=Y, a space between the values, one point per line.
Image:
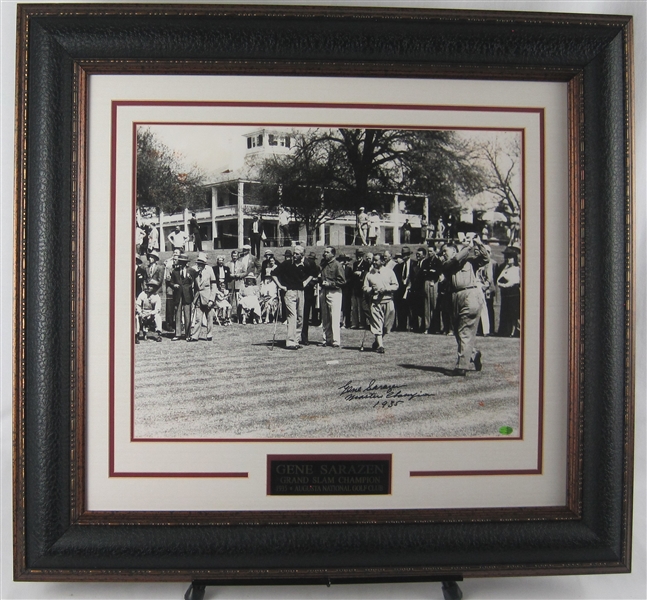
x=451 y=591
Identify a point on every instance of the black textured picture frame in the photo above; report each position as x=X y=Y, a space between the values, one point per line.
x=59 y=46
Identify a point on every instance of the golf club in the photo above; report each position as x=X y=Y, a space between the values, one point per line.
x=276 y=320
x=361 y=348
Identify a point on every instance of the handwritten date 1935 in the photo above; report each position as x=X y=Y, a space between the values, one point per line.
x=387 y=403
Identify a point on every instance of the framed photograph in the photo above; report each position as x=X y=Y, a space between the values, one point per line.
x=328 y=294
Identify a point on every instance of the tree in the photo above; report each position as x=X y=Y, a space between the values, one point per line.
x=302 y=183
x=368 y=163
x=501 y=158
x=163 y=182
x=445 y=168
x=374 y=164
x=336 y=171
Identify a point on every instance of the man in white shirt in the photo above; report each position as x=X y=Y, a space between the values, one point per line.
x=148 y=309
x=284 y=227
x=153 y=238
x=460 y=263
x=362 y=226
x=389 y=262
x=178 y=239
x=379 y=285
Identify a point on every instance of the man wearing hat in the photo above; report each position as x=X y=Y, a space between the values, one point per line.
x=155 y=271
x=204 y=288
x=460 y=263
x=141 y=275
x=362 y=226
x=148 y=309
x=237 y=274
x=181 y=284
x=311 y=308
x=266 y=261
x=140 y=236
x=509 y=284
x=291 y=277
x=248 y=261
x=358 y=309
x=379 y=285
x=487 y=278
x=269 y=290
x=169 y=265
x=403 y=272
x=249 y=307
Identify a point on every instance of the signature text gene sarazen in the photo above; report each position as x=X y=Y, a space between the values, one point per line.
x=378 y=391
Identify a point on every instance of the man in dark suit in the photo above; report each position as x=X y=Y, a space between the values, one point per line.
x=402 y=300
x=194 y=228
x=221 y=271
x=424 y=289
x=417 y=291
x=310 y=310
x=358 y=307
x=257 y=230
x=346 y=290
x=141 y=276
x=154 y=270
x=181 y=283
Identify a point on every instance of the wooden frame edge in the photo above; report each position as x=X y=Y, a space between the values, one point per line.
x=20 y=224
x=78 y=512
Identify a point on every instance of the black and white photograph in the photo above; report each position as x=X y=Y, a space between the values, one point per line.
x=327 y=282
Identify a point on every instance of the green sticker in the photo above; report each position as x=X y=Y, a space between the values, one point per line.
x=505 y=430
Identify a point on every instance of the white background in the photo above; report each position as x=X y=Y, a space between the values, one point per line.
x=585 y=587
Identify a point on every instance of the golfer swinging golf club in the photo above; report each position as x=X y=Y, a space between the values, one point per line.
x=379 y=285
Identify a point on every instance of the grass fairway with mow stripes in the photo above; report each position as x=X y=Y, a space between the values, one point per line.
x=237 y=387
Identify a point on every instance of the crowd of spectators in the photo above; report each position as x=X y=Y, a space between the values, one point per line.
x=429 y=290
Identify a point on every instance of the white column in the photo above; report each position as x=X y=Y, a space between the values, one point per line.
x=185 y=218
x=161 y=235
x=427 y=209
x=322 y=234
x=395 y=218
x=241 y=214
x=214 y=206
